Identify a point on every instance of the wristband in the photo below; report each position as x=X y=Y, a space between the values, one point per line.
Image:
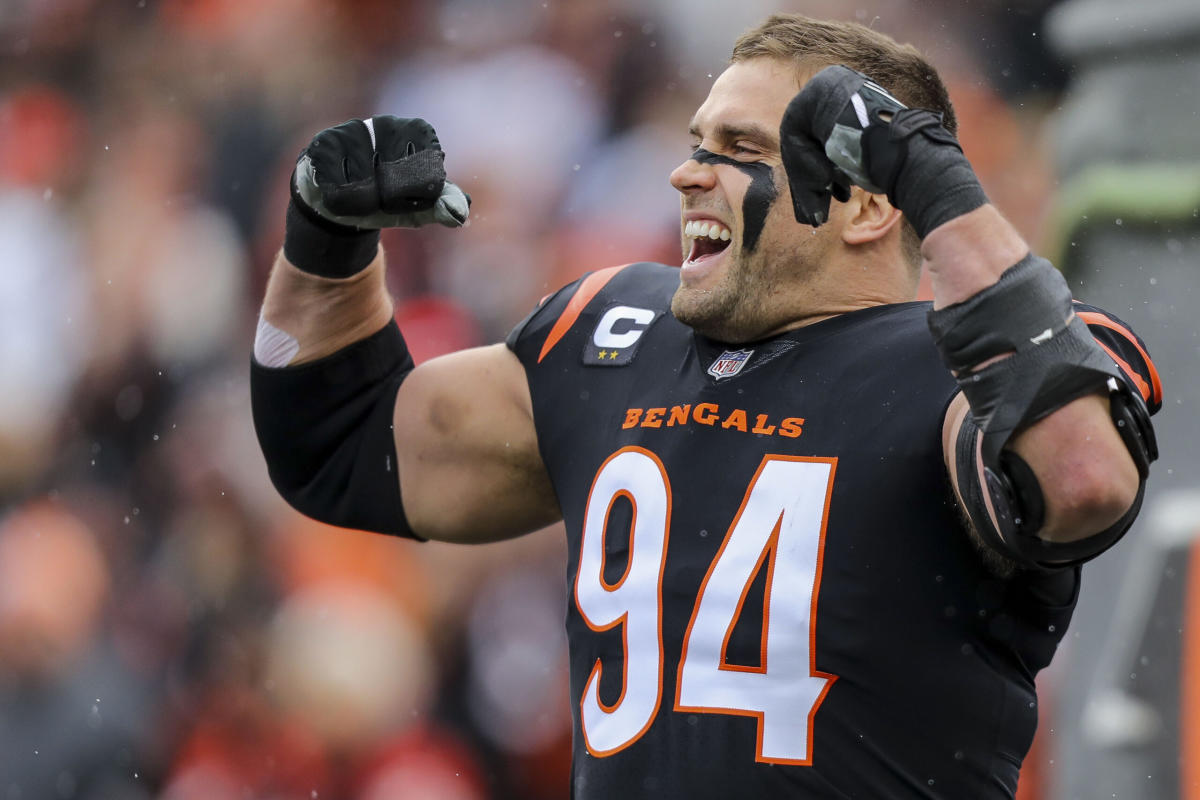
x=922 y=167
x=325 y=248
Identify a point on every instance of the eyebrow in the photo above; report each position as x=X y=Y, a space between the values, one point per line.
x=728 y=132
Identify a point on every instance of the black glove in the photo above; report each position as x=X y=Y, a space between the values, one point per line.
x=358 y=177
x=843 y=128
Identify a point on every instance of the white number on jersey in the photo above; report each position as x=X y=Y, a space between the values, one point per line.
x=780 y=527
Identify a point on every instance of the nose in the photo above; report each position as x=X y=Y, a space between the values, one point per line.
x=692 y=176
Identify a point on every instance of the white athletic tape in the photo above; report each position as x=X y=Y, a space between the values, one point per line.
x=273 y=347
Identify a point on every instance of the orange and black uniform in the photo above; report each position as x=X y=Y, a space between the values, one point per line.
x=771 y=591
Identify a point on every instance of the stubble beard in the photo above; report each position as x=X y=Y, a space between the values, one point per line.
x=732 y=311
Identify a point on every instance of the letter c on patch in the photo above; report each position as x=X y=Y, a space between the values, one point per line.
x=621 y=326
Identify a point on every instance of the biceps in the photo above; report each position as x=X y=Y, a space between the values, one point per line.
x=470 y=469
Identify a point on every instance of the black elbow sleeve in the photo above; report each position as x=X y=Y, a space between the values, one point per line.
x=326 y=430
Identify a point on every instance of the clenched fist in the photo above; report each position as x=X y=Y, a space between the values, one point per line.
x=358 y=177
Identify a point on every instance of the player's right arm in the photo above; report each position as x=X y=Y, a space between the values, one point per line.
x=352 y=433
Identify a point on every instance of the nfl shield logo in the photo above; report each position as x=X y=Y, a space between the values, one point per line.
x=729 y=363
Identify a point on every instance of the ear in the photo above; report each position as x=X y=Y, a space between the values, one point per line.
x=869 y=217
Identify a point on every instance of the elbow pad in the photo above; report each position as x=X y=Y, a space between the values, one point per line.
x=1054 y=360
x=1016 y=496
x=325 y=429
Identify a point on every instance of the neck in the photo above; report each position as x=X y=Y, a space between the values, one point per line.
x=850 y=285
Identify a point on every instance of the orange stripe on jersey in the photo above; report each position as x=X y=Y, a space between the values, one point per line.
x=1152 y=393
x=590 y=287
x=1137 y=379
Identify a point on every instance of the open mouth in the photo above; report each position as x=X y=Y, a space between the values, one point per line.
x=708 y=238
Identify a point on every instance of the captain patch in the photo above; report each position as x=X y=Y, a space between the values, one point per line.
x=615 y=340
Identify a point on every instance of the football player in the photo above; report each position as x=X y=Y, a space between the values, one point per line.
x=821 y=537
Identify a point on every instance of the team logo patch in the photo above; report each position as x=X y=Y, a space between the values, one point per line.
x=615 y=340
x=729 y=363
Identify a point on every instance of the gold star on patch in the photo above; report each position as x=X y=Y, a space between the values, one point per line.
x=603 y=353
x=612 y=356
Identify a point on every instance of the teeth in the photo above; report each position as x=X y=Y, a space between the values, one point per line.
x=711 y=230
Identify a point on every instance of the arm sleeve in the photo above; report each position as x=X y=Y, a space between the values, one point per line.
x=325 y=429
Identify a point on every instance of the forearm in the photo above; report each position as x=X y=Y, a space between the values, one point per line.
x=324 y=315
x=969 y=253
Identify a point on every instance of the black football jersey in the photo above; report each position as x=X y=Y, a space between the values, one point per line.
x=771 y=591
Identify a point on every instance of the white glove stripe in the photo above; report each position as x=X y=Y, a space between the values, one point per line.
x=370 y=123
x=860 y=108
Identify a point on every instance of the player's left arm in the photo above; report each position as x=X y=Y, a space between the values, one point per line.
x=1049 y=443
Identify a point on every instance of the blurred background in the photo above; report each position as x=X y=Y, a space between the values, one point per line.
x=170 y=629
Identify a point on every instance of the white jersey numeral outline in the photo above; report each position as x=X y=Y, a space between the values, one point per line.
x=779 y=527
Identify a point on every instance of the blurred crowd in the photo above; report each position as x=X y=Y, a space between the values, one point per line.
x=168 y=627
